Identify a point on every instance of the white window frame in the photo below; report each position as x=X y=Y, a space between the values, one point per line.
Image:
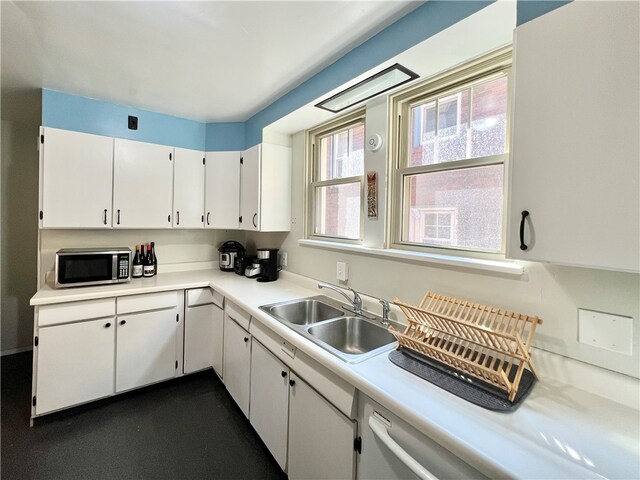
x=341 y=123
x=492 y=65
x=453 y=222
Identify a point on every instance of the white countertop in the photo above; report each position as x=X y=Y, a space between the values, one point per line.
x=559 y=431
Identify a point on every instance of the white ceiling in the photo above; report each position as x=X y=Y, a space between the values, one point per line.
x=209 y=61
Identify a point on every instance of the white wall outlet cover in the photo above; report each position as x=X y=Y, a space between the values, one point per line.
x=374 y=142
x=605 y=330
x=342 y=271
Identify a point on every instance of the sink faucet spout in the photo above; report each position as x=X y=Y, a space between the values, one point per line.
x=356 y=302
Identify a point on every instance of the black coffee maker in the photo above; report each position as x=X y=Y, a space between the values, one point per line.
x=268 y=258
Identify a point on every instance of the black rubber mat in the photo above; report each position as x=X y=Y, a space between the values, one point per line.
x=471 y=389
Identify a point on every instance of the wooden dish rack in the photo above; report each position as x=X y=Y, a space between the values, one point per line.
x=485 y=342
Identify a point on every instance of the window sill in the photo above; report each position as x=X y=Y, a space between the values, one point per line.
x=504 y=267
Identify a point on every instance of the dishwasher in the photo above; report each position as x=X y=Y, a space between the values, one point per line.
x=393 y=449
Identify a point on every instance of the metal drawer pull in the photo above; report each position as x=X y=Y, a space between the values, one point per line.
x=380 y=431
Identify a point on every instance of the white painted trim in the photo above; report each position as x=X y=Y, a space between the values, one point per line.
x=12 y=351
x=506 y=267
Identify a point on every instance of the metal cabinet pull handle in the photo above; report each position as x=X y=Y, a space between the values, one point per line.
x=122 y=322
x=292 y=383
x=254 y=220
x=105 y=216
x=107 y=325
x=208 y=215
x=284 y=374
x=525 y=214
x=246 y=339
x=118 y=217
x=178 y=217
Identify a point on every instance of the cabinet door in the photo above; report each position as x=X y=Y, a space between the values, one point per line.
x=142 y=185
x=575 y=142
x=275 y=188
x=75 y=363
x=146 y=348
x=76 y=174
x=188 y=189
x=250 y=189
x=270 y=401
x=203 y=338
x=237 y=363
x=222 y=195
x=320 y=437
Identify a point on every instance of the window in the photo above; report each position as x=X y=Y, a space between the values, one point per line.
x=336 y=184
x=451 y=146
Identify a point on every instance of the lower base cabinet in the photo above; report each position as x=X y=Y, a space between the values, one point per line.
x=146 y=348
x=320 y=437
x=203 y=327
x=75 y=363
x=269 y=413
x=237 y=363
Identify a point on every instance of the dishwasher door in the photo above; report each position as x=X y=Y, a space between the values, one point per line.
x=392 y=449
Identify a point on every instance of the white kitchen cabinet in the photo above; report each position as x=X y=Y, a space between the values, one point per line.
x=188 y=188
x=146 y=350
x=222 y=195
x=265 y=188
x=75 y=363
x=203 y=331
x=142 y=185
x=76 y=171
x=237 y=362
x=575 y=137
x=321 y=439
x=269 y=413
x=393 y=449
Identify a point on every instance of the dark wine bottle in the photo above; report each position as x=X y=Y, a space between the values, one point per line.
x=155 y=259
x=147 y=264
x=137 y=264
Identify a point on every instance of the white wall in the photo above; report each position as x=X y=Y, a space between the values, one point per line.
x=20 y=123
x=554 y=293
x=172 y=246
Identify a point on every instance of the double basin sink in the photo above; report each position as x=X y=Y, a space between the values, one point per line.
x=331 y=326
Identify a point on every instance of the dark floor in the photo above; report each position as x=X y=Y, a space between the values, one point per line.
x=186 y=428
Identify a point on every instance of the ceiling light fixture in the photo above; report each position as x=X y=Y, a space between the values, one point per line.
x=381 y=82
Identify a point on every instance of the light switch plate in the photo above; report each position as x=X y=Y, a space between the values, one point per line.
x=605 y=330
x=342 y=271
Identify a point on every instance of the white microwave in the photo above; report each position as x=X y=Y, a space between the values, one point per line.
x=77 y=267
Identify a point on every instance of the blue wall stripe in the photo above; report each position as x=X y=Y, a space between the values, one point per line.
x=225 y=137
x=530 y=9
x=418 y=25
x=72 y=112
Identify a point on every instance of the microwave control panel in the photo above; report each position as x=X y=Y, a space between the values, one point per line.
x=123 y=265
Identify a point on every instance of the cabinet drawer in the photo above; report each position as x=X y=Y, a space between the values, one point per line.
x=241 y=317
x=149 y=301
x=74 y=311
x=204 y=296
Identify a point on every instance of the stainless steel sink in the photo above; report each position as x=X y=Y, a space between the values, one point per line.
x=322 y=320
x=303 y=312
x=352 y=335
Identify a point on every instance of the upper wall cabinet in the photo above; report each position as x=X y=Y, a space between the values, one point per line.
x=75 y=179
x=142 y=185
x=575 y=138
x=222 y=196
x=265 y=188
x=188 y=188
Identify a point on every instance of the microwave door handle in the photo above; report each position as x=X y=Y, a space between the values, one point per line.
x=114 y=267
x=380 y=431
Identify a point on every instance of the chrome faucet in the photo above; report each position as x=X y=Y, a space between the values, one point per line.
x=385 y=311
x=357 y=301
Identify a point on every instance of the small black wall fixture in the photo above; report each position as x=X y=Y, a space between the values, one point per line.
x=133 y=122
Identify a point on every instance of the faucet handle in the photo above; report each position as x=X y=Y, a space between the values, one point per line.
x=386 y=308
